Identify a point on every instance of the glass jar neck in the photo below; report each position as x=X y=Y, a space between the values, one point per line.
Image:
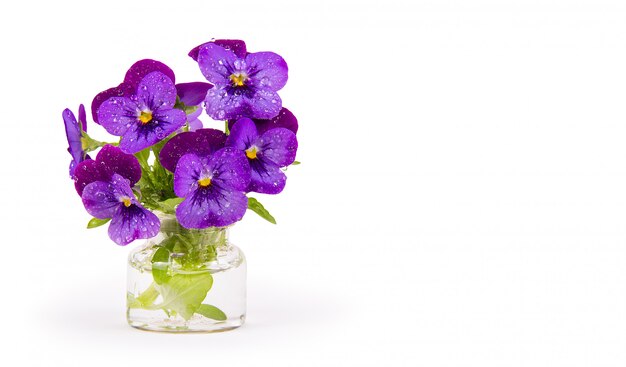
x=191 y=245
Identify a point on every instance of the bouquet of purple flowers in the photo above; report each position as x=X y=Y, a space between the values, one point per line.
x=166 y=161
x=170 y=180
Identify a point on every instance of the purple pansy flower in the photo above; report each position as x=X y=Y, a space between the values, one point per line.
x=74 y=132
x=127 y=88
x=244 y=86
x=109 y=161
x=284 y=119
x=202 y=143
x=266 y=153
x=213 y=188
x=115 y=199
x=146 y=117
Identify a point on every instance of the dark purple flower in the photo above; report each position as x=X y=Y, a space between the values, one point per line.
x=266 y=153
x=127 y=88
x=109 y=161
x=243 y=86
x=202 y=143
x=236 y=46
x=146 y=117
x=115 y=199
x=213 y=188
x=284 y=119
x=74 y=132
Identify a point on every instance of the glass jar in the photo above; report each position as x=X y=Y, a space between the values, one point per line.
x=186 y=280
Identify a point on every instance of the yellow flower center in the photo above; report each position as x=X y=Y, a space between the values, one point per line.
x=126 y=201
x=238 y=79
x=204 y=182
x=251 y=152
x=145 y=117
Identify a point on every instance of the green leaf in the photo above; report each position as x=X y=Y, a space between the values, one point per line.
x=144 y=300
x=226 y=129
x=211 y=312
x=160 y=265
x=295 y=163
x=255 y=206
x=184 y=293
x=169 y=205
x=95 y=222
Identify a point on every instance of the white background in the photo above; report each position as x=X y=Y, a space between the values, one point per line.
x=461 y=201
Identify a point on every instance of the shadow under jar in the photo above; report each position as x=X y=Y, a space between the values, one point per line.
x=186 y=280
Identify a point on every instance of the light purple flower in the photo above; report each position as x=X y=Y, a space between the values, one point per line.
x=213 y=188
x=127 y=88
x=266 y=153
x=202 y=143
x=110 y=160
x=115 y=199
x=244 y=86
x=145 y=118
x=74 y=132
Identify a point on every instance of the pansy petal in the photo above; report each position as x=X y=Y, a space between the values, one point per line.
x=126 y=165
x=195 y=125
x=230 y=168
x=243 y=134
x=156 y=91
x=122 y=90
x=187 y=174
x=237 y=46
x=222 y=105
x=264 y=104
x=212 y=206
x=194 y=115
x=279 y=145
x=141 y=68
x=82 y=117
x=100 y=199
x=139 y=136
x=117 y=114
x=267 y=70
x=192 y=94
x=168 y=121
x=284 y=119
x=266 y=177
x=131 y=223
x=194 y=122
x=202 y=142
x=73 y=134
x=216 y=63
x=90 y=171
